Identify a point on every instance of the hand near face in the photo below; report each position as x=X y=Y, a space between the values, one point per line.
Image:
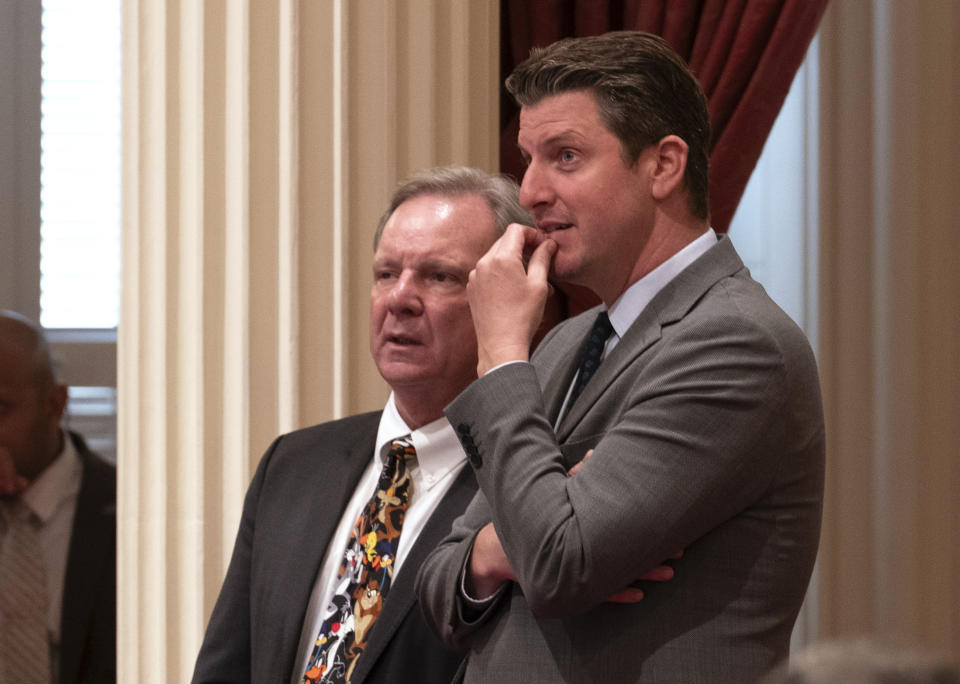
x=506 y=299
x=11 y=482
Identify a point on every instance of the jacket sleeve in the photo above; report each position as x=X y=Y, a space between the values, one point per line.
x=440 y=578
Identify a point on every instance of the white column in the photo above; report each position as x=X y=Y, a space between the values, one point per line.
x=261 y=142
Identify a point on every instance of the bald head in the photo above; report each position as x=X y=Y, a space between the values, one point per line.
x=25 y=342
x=31 y=402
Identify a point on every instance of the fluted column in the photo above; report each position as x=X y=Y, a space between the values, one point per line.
x=261 y=141
x=890 y=321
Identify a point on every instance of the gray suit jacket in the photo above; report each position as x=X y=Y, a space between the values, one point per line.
x=291 y=511
x=708 y=435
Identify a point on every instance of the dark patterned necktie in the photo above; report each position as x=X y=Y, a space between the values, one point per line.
x=366 y=573
x=24 y=644
x=590 y=354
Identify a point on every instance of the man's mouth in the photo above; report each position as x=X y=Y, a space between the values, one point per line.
x=550 y=227
x=402 y=340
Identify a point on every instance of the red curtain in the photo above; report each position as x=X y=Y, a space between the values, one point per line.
x=745 y=54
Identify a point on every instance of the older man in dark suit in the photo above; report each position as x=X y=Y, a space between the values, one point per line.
x=320 y=586
x=57 y=527
x=696 y=394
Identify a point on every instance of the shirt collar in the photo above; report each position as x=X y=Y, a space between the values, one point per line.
x=438 y=449
x=58 y=482
x=632 y=302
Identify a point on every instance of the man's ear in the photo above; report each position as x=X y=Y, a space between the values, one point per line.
x=57 y=402
x=671 y=163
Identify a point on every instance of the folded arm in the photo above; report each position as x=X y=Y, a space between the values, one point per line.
x=489 y=568
x=439 y=580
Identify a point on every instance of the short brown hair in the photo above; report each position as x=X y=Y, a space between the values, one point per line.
x=643 y=89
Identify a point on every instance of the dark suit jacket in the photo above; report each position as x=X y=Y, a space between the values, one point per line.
x=708 y=436
x=88 y=633
x=291 y=511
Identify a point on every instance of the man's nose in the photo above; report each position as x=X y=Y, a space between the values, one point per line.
x=535 y=188
x=405 y=296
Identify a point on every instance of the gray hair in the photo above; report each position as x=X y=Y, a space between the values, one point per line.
x=500 y=193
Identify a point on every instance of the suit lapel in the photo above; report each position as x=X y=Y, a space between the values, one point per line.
x=668 y=306
x=402 y=598
x=331 y=481
x=556 y=370
x=90 y=558
x=643 y=333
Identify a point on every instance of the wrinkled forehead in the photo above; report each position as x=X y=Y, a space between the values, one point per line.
x=440 y=223
x=573 y=113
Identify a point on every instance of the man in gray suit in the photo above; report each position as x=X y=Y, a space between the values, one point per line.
x=703 y=417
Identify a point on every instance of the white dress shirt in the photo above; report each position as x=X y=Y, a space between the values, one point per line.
x=439 y=460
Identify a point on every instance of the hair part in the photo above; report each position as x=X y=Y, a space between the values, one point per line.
x=644 y=91
x=499 y=192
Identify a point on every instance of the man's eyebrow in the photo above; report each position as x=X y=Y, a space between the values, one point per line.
x=563 y=137
x=427 y=262
x=443 y=263
x=382 y=262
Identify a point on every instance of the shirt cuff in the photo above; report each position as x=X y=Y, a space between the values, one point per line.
x=474 y=608
x=505 y=363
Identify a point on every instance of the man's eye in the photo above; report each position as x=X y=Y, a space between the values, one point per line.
x=441 y=277
x=567 y=156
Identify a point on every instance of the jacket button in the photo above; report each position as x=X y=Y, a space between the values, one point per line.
x=466 y=441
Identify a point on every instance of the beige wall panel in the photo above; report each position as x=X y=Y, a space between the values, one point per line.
x=934 y=328
x=890 y=311
x=20 y=51
x=846 y=320
x=320 y=257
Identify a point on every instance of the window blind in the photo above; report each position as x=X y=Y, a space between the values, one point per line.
x=80 y=164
